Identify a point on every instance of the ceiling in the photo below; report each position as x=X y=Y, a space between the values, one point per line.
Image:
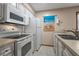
x=50 y=6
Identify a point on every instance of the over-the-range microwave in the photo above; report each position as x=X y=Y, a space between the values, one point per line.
x=8 y=13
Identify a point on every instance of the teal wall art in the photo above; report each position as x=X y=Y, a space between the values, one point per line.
x=49 y=23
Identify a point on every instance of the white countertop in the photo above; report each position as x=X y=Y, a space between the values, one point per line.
x=4 y=42
x=72 y=44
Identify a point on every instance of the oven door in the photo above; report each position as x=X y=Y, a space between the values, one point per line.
x=24 y=47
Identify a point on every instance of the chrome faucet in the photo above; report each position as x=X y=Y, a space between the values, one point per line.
x=75 y=32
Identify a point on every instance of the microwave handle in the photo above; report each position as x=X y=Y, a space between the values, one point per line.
x=1 y=11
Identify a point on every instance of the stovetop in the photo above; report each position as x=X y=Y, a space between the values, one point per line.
x=17 y=36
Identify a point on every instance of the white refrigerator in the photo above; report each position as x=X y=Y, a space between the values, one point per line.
x=38 y=33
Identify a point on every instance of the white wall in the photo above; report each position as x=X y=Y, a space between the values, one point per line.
x=66 y=15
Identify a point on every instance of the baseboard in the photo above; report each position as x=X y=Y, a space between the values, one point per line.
x=47 y=45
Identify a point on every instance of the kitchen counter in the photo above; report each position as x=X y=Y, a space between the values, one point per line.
x=73 y=45
x=12 y=39
x=4 y=41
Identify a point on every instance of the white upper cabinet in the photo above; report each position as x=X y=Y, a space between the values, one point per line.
x=26 y=14
x=20 y=7
x=27 y=18
x=14 y=4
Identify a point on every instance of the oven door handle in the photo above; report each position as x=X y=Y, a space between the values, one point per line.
x=23 y=39
x=19 y=42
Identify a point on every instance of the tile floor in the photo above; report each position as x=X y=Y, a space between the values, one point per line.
x=45 y=51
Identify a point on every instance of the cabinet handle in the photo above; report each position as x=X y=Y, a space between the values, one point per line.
x=6 y=50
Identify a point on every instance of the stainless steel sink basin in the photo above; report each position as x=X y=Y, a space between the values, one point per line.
x=69 y=37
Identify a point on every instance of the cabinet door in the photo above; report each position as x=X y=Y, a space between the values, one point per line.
x=26 y=18
x=20 y=7
x=55 y=45
x=14 y=4
x=26 y=14
x=53 y=39
x=7 y=50
x=32 y=48
x=1 y=11
x=60 y=48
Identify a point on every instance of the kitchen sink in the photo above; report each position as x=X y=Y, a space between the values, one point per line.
x=17 y=36
x=69 y=37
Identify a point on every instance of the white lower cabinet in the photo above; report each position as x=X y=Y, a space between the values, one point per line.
x=58 y=47
x=61 y=49
x=55 y=45
x=7 y=50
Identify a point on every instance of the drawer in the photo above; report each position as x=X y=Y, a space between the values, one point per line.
x=8 y=54
x=6 y=49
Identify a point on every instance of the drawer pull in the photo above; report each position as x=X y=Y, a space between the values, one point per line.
x=6 y=50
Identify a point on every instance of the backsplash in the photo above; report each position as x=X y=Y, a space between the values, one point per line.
x=11 y=28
